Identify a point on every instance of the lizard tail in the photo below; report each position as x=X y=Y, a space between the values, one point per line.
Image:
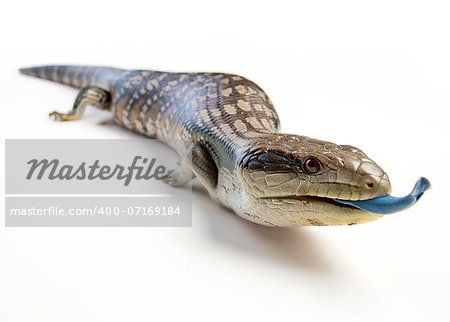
x=76 y=76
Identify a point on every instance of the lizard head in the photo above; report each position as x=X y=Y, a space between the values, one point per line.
x=292 y=180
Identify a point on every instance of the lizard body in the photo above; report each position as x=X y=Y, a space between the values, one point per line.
x=227 y=132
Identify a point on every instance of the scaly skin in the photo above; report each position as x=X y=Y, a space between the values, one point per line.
x=260 y=173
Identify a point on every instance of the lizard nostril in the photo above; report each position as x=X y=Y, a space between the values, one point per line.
x=374 y=187
x=369 y=184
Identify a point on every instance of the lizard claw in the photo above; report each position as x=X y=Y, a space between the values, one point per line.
x=57 y=116
x=170 y=178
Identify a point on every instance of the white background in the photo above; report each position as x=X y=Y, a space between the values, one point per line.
x=374 y=74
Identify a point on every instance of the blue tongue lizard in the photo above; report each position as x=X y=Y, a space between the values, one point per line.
x=389 y=204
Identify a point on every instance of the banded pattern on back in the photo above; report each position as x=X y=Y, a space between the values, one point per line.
x=221 y=110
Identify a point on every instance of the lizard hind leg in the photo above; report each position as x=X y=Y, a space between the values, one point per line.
x=88 y=96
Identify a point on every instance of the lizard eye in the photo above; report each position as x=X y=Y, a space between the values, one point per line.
x=311 y=165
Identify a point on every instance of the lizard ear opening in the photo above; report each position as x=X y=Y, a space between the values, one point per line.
x=204 y=166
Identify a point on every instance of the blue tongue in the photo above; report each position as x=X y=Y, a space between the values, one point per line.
x=389 y=204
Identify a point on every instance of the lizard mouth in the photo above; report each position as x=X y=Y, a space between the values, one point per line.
x=307 y=198
x=380 y=205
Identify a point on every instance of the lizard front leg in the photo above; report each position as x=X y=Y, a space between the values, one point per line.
x=198 y=162
x=88 y=96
